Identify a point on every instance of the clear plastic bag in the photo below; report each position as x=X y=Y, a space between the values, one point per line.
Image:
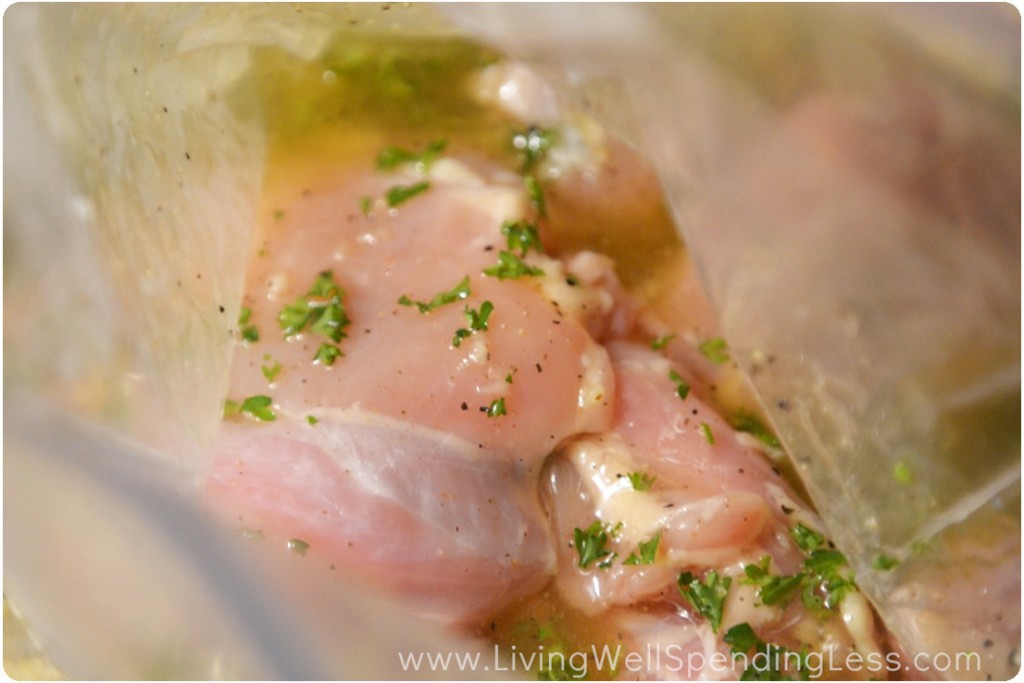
x=847 y=180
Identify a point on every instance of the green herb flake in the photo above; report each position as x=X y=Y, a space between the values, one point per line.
x=682 y=386
x=780 y=589
x=459 y=335
x=327 y=354
x=390 y=157
x=522 y=236
x=249 y=332
x=231 y=408
x=298 y=546
x=399 y=194
x=806 y=539
x=884 y=563
x=741 y=638
x=532 y=145
x=648 y=552
x=508 y=378
x=662 y=341
x=592 y=545
x=641 y=481
x=705 y=430
x=365 y=204
x=324 y=285
x=477 y=320
x=827 y=579
x=536 y=196
x=270 y=372
x=278 y=214
x=707 y=596
x=312 y=420
x=745 y=421
x=259 y=407
x=772 y=589
x=456 y=293
x=321 y=309
x=901 y=473
x=715 y=350
x=331 y=322
x=294 y=317
x=511 y=267
x=497 y=408
x=764 y=665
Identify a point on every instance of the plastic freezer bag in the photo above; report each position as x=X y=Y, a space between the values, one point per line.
x=849 y=192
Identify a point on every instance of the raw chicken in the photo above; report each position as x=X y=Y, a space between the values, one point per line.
x=468 y=439
x=454 y=530
x=405 y=476
x=713 y=502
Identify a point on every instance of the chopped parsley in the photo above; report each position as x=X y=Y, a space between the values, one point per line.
x=592 y=545
x=884 y=563
x=825 y=579
x=312 y=420
x=682 y=386
x=298 y=546
x=536 y=196
x=256 y=406
x=822 y=583
x=270 y=372
x=522 y=236
x=764 y=664
x=806 y=539
x=510 y=267
x=715 y=350
x=828 y=583
x=390 y=157
x=497 y=408
x=901 y=472
x=399 y=194
x=259 y=407
x=249 y=332
x=745 y=421
x=532 y=145
x=231 y=408
x=648 y=552
x=327 y=354
x=554 y=668
x=705 y=429
x=662 y=341
x=477 y=320
x=707 y=596
x=365 y=204
x=320 y=309
x=641 y=481
x=508 y=378
x=773 y=590
x=741 y=638
x=456 y=293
